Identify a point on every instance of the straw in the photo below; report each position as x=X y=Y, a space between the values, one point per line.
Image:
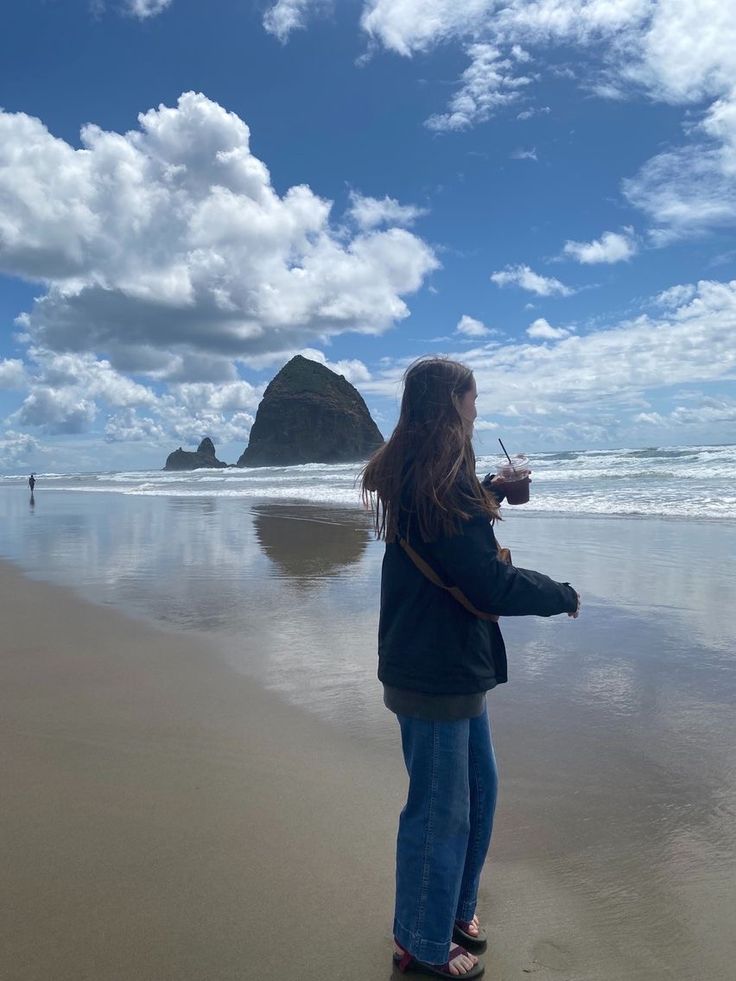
x=507 y=455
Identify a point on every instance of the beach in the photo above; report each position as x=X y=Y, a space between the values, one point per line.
x=202 y=782
x=164 y=819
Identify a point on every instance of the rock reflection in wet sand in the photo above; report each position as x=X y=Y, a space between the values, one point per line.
x=308 y=542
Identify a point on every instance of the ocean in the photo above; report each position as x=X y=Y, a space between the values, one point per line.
x=667 y=482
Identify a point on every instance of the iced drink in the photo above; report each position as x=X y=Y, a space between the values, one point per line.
x=515 y=479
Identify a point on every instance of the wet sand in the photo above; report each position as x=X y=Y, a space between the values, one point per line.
x=167 y=817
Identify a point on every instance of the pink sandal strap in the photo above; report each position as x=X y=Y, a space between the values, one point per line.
x=406 y=960
x=458 y=952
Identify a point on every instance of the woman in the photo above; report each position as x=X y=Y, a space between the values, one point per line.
x=437 y=659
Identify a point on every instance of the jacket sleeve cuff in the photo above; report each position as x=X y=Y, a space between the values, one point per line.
x=493 y=489
x=573 y=598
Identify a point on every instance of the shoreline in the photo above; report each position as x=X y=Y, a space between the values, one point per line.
x=683 y=482
x=553 y=512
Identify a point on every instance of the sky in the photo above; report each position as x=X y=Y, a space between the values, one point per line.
x=191 y=194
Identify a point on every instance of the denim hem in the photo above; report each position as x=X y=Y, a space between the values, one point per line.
x=428 y=951
x=466 y=912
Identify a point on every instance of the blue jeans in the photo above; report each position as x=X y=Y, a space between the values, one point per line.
x=444 y=830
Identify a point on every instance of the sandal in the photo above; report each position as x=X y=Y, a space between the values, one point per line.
x=407 y=962
x=472 y=941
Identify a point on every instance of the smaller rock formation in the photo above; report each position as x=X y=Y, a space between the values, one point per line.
x=310 y=414
x=204 y=457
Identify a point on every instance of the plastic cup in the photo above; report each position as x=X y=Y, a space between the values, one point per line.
x=516 y=489
x=516 y=479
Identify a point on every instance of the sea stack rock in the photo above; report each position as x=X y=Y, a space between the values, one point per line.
x=310 y=414
x=203 y=457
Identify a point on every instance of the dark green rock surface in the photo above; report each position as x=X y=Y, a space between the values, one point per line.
x=203 y=457
x=310 y=414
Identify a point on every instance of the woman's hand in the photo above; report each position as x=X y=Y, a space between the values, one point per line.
x=500 y=482
x=576 y=614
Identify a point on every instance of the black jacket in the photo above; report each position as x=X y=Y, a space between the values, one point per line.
x=427 y=641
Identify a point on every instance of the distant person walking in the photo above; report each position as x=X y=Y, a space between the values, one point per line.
x=438 y=655
x=32 y=482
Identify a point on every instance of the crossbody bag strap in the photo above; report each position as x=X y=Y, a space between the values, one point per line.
x=426 y=569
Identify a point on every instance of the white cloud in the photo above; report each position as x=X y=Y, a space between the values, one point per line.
x=128 y=427
x=710 y=410
x=580 y=22
x=287 y=16
x=650 y=419
x=67 y=394
x=529 y=113
x=409 y=26
x=677 y=52
x=187 y=428
x=522 y=154
x=184 y=417
x=12 y=374
x=143 y=9
x=610 y=247
x=540 y=329
x=90 y=377
x=720 y=124
x=676 y=296
x=191 y=410
x=605 y=373
x=486 y=84
x=615 y=366
x=527 y=279
x=173 y=368
x=684 y=191
x=55 y=411
x=352 y=369
x=609 y=91
x=238 y=428
x=686 y=53
x=672 y=51
x=15 y=448
x=369 y=212
x=471 y=327
x=170 y=241
x=229 y=397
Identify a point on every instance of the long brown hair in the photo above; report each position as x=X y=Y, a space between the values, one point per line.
x=425 y=457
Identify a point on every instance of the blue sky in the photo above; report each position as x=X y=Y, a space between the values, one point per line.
x=190 y=194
